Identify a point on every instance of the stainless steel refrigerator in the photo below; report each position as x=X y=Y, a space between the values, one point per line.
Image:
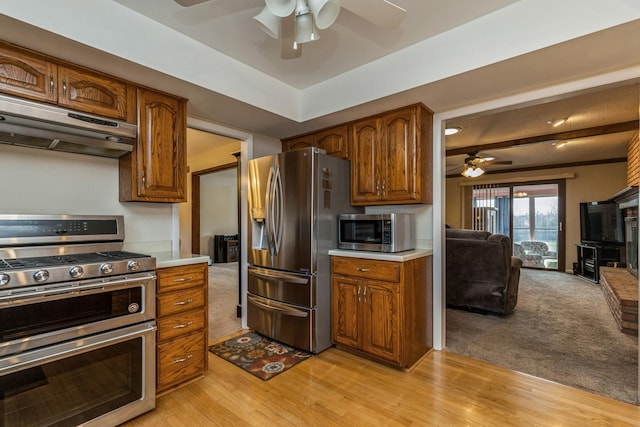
x=294 y=201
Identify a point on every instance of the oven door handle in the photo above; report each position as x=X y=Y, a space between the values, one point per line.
x=66 y=290
x=18 y=362
x=278 y=308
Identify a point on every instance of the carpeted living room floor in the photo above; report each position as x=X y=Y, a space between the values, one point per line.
x=561 y=330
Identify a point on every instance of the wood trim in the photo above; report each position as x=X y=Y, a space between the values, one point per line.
x=195 y=202
x=573 y=134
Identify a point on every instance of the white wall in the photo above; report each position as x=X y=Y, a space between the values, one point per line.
x=34 y=181
x=218 y=206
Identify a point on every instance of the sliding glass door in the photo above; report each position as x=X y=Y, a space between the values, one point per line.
x=531 y=214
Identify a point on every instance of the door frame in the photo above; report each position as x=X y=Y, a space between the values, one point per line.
x=195 y=202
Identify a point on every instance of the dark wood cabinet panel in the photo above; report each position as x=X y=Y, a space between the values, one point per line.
x=26 y=74
x=156 y=169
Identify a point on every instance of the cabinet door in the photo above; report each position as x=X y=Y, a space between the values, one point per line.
x=400 y=172
x=298 y=143
x=346 y=302
x=334 y=141
x=93 y=93
x=365 y=161
x=160 y=151
x=381 y=320
x=27 y=74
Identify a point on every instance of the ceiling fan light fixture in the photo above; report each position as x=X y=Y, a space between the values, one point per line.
x=472 y=172
x=268 y=22
x=325 y=12
x=305 y=31
x=281 y=8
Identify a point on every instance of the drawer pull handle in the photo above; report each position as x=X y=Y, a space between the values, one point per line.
x=184 y=325
x=362 y=269
x=189 y=301
x=184 y=359
x=183 y=279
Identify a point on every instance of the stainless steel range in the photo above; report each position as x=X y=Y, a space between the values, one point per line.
x=77 y=322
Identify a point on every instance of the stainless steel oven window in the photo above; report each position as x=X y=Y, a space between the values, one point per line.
x=102 y=380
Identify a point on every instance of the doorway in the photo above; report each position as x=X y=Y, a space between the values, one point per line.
x=532 y=215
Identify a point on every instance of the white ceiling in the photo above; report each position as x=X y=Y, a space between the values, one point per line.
x=228 y=27
x=448 y=55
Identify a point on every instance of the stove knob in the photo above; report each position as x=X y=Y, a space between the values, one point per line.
x=106 y=268
x=41 y=275
x=76 y=271
x=4 y=279
x=133 y=265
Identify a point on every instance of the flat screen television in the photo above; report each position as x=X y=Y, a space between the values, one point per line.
x=601 y=223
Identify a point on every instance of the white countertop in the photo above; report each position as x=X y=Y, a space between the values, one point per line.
x=383 y=256
x=173 y=259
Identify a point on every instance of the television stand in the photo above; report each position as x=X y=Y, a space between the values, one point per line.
x=591 y=257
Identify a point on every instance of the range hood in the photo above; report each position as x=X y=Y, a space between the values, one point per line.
x=32 y=124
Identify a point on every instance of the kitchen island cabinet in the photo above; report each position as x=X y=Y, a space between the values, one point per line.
x=156 y=169
x=390 y=157
x=181 y=316
x=382 y=309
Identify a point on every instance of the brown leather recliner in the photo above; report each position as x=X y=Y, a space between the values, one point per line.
x=481 y=273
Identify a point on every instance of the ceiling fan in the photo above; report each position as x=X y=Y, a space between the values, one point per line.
x=473 y=163
x=296 y=22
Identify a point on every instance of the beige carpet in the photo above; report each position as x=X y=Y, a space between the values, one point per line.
x=223 y=299
x=562 y=330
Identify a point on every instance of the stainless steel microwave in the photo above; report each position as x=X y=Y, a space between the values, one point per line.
x=392 y=232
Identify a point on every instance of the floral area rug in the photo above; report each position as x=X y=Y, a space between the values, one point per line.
x=259 y=355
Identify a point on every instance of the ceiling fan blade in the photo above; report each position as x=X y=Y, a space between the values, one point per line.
x=498 y=162
x=187 y=3
x=288 y=37
x=383 y=13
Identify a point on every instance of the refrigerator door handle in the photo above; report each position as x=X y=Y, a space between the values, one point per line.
x=269 y=211
x=287 y=279
x=279 y=217
x=278 y=308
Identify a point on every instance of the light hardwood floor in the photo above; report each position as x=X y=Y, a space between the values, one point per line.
x=336 y=388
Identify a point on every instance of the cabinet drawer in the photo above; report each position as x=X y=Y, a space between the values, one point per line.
x=182 y=277
x=181 y=359
x=179 y=301
x=387 y=271
x=180 y=324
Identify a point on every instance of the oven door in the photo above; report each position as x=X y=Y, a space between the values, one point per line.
x=103 y=379
x=39 y=316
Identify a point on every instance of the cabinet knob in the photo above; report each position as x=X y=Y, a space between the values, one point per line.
x=362 y=269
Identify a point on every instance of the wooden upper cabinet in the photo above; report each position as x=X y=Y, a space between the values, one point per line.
x=390 y=158
x=335 y=141
x=26 y=74
x=37 y=77
x=156 y=169
x=95 y=93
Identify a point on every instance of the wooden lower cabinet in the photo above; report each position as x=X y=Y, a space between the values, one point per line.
x=181 y=316
x=383 y=309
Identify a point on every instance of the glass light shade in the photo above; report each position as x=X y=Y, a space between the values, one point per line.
x=325 y=12
x=281 y=8
x=304 y=29
x=472 y=172
x=268 y=22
